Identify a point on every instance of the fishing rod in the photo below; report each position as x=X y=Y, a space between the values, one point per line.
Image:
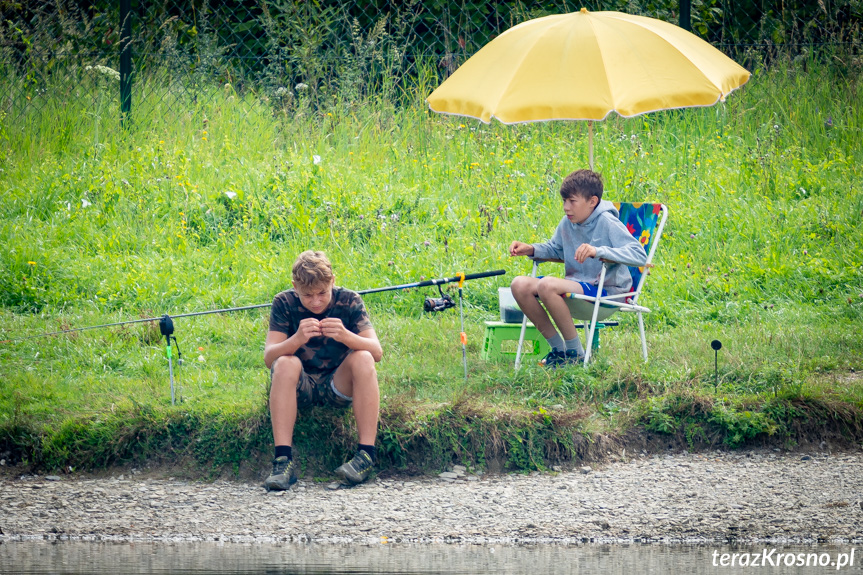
x=166 y=324
x=444 y=301
x=429 y=305
x=131 y=321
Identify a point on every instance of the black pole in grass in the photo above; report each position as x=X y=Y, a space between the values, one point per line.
x=125 y=63
x=166 y=326
x=716 y=345
x=685 y=15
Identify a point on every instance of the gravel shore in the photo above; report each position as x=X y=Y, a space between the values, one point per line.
x=753 y=496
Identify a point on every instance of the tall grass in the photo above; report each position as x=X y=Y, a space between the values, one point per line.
x=208 y=208
x=763 y=190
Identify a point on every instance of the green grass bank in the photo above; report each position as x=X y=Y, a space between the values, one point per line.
x=207 y=210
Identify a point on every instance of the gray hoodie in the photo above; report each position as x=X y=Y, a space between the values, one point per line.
x=604 y=231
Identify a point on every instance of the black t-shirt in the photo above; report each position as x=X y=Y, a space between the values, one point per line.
x=320 y=354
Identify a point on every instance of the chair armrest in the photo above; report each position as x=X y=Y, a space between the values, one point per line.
x=605 y=260
x=633 y=264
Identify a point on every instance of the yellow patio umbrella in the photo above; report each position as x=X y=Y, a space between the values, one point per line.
x=585 y=65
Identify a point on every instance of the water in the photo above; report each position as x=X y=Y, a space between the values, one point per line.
x=74 y=558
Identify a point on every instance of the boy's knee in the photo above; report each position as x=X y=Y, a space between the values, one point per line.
x=545 y=285
x=286 y=367
x=362 y=359
x=521 y=284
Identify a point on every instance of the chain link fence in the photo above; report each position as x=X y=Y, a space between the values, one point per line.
x=62 y=53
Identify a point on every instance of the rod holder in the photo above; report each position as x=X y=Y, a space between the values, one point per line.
x=716 y=345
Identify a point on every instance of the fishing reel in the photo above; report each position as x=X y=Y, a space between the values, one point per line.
x=434 y=304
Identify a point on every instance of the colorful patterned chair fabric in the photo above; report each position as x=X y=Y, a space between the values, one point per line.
x=645 y=222
x=640 y=219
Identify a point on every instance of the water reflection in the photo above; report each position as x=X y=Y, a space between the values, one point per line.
x=75 y=558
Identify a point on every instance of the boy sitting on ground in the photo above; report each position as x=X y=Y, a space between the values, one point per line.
x=321 y=350
x=590 y=230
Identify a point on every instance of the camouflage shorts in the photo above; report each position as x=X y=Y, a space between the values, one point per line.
x=318 y=389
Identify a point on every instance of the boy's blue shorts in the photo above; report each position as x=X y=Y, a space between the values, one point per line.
x=590 y=289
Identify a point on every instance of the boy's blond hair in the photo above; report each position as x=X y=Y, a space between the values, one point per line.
x=584 y=183
x=312 y=269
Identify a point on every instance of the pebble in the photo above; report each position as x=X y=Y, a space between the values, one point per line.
x=703 y=497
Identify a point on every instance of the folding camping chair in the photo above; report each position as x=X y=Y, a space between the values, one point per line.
x=644 y=222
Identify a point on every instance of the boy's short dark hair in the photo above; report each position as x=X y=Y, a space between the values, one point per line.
x=584 y=183
x=312 y=269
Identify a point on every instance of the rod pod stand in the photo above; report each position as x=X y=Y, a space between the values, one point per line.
x=166 y=326
x=462 y=335
x=716 y=345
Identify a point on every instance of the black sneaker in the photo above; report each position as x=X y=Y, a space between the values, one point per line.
x=562 y=358
x=553 y=358
x=283 y=476
x=572 y=357
x=357 y=469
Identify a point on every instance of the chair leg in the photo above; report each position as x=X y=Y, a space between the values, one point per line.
x=643 y=340
x=520 y=342
x=589 y=347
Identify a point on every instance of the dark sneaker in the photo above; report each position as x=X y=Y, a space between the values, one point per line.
x=572 y=357
x=357 y=469
x=557 y=358
x=283 y=476
x=553 y=358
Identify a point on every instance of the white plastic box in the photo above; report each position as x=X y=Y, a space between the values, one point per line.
x=509 y=312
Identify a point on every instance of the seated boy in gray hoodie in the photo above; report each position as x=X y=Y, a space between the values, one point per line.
x=590 y=229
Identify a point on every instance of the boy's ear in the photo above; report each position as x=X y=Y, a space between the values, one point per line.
x=594 y=201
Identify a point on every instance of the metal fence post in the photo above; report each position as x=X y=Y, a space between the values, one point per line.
x=125 y=62
x=685 y=11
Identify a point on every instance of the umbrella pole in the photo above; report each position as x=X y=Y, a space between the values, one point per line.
x=590 y=141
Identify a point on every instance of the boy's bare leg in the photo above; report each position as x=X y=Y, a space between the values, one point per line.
x=524 y=290
x=283 y=398
x=551 y=290
x=357 y=377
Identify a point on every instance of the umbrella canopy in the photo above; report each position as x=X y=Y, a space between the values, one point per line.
x=585 y=65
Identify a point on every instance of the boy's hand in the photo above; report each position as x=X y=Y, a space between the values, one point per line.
x=520 y=249
x=334 y=328
x=583 y=252
x=309 y=328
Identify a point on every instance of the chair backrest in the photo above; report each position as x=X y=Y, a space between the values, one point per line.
x=645 y=222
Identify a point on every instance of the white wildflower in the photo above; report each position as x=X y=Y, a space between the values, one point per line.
x=85 y=203
x=300 y=87
x=317 y=159
x=105 y=71
x=231 y=195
